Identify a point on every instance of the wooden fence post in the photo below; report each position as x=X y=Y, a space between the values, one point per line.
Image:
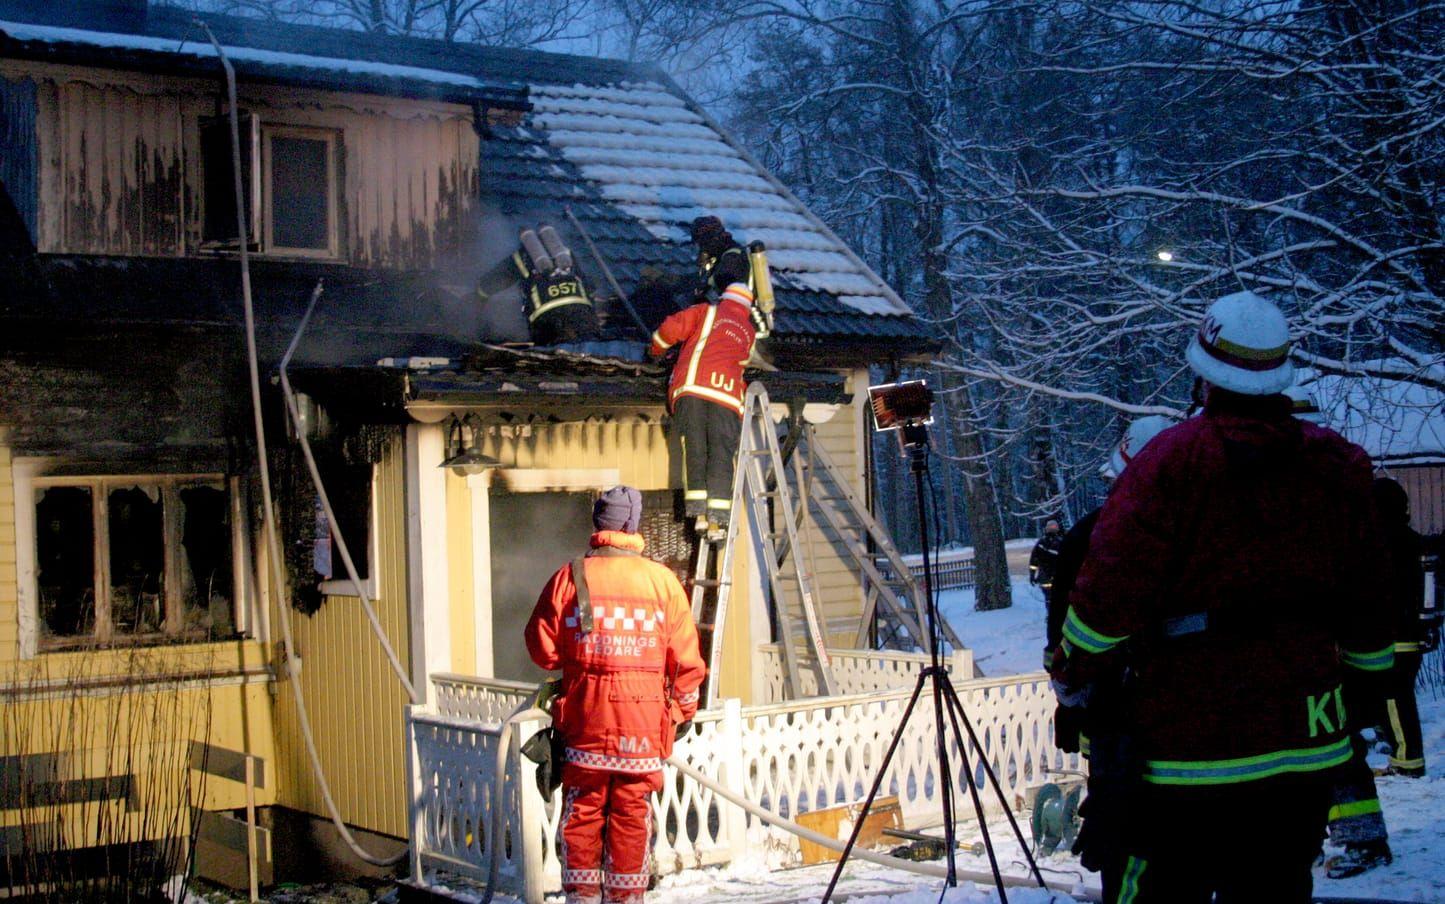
x=530 y=815
x=730 y=735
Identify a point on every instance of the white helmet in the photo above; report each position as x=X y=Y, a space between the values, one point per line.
x=1243 y=345
x=1304 y=404
x=1134 y=440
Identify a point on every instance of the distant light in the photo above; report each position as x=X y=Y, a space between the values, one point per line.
x=1166 y=256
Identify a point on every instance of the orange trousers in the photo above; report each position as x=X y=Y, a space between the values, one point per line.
x=606 y=830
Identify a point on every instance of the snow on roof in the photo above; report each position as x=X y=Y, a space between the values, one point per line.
x=664 y=164
x=200 y=48
x=1393 y=420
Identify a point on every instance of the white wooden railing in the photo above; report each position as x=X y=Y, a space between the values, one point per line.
x=790 y=757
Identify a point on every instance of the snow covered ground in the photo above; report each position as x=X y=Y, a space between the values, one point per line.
x=1004 y=641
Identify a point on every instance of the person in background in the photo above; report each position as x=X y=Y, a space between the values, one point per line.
x=620 y=628
x=1044 y=560
x=705 y=394
x=1407 y=593
x=1356 y=820
x=1102 y=717
x=1226 y=568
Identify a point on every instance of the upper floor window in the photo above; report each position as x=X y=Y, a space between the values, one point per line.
x=290 y=185
x=133 y=559
x=300 y=197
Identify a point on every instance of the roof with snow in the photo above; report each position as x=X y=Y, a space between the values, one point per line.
x=1397 y=422
x=619 y=144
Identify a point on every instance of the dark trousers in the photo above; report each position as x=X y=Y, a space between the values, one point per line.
x=1252 y=842
x=709 y=441
x=1404 y=715
x=1355 y=814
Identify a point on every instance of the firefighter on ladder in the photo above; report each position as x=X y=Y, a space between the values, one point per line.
x=706 y=392
x=620 y=628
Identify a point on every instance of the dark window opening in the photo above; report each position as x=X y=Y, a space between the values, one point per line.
x=218 y=180
x=301 y=192
x=136 y=529
x=65 y=560
x=206 y=574
x=348 y=486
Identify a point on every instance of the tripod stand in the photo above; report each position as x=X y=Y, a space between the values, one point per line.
x=945 y=700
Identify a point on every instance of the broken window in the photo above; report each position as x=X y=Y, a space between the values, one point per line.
x=164 y=547
x=65 y=560
x=300 y=191
x=218 y=181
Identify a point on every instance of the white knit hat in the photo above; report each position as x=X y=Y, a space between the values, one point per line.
x=1243 y=345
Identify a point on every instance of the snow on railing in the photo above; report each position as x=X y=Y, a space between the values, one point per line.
x=790 y=757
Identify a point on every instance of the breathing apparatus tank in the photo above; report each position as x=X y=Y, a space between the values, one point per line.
x=763 y=302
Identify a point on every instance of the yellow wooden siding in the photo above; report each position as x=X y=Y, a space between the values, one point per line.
x=836 y=581
x=459 y=575
x=145 y=734
x=352 y=696
x=637 y=450
x=120 y=174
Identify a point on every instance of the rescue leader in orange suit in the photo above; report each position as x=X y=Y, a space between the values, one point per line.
x=631 y=670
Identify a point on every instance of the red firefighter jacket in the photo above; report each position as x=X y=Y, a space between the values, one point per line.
x=716 y=342
x=1238 y=563
x=635 y=676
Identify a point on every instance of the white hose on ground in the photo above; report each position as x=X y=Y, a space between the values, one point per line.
x=922 y=869
x=273 y=546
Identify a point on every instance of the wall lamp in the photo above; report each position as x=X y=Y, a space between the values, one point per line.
x=464 y=446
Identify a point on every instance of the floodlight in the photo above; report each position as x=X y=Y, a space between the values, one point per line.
x=897 y=405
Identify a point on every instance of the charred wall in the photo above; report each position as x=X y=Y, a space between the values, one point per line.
x=117 y=162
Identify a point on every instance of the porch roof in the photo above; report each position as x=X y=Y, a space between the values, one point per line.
x=562 y=385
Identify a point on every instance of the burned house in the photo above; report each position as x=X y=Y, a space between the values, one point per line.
x=395 y=173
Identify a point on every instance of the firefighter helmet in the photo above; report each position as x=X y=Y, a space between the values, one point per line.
x=1242 y=345
x=1134 y=440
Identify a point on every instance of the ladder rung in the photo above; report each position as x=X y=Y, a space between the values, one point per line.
x=708 y=582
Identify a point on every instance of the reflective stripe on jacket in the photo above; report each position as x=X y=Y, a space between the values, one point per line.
x=628 y=682
x=716 y=342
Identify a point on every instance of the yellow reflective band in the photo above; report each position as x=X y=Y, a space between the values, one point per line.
x=657 y=341
x=695 y=494
x=719 y=503
x=697 y=348
x=708 y=393
x=1408 y=646
x=1401 y=748
x=1408 y=764
x=561 y=302
x=1354 y=808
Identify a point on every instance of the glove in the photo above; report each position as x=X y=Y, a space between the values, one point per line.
x=682 y=729
x=1432 y=640
x=547 y=749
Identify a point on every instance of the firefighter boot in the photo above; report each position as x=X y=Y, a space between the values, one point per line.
x=1359 y=858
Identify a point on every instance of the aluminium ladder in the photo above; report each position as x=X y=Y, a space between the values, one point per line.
x=760 y=479
x=820 y=486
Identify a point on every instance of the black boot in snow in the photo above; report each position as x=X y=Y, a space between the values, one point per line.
x=1358 y=858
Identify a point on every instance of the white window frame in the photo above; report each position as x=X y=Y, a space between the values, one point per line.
x=29 y=475
x=341 y=584
x=268 y=207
